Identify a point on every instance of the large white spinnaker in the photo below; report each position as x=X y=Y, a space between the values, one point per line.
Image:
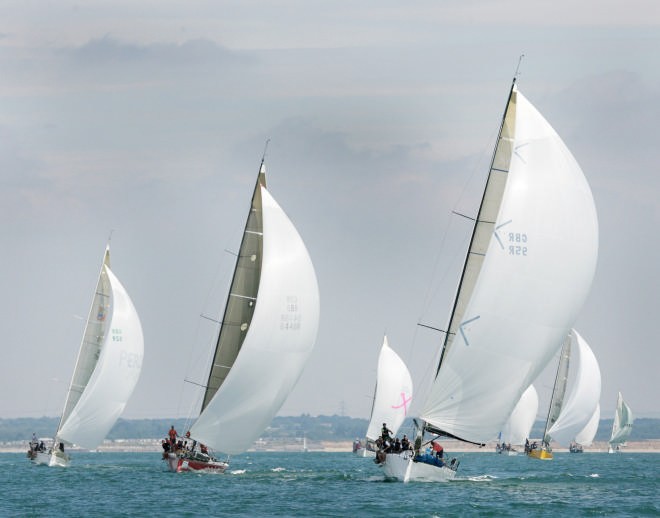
x=529 y=269
x=586 y=436
x=101 y=387
x=521 y=420
x=279 y=339
x=393 y=394
x=583 y=399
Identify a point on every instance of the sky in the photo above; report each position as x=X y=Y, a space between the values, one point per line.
x=147 y=121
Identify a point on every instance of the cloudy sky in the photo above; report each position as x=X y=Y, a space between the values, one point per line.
x=148 y=120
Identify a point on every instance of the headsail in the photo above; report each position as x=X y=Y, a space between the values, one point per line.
x=274 y=345
x=108 y=366
x=529 y=269
x=393 y=394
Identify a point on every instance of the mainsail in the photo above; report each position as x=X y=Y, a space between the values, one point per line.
x=108 y=365
x=528 y=271
x=267 y=332
x=623 y=421
x=393 y=393
x=581 y=404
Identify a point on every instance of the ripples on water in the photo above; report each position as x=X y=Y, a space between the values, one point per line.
x=332 y=484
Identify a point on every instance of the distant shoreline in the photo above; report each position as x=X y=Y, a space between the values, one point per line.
x=154 y=446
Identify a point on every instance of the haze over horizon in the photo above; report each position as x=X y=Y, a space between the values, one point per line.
x=149 y=121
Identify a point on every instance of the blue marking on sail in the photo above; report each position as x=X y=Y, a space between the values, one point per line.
x=460 y=328
x=496 y=234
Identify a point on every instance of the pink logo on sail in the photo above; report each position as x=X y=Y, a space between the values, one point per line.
x=404 y=403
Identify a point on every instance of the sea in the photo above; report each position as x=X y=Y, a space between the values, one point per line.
x=319 y=484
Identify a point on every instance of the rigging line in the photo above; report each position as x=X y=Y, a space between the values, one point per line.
x=263 y=157
x=431 y=327
x=517 y=74
x=186 y=380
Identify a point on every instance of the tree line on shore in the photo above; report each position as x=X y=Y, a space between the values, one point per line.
x=314 y=428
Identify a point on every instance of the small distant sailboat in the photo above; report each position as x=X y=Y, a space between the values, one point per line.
x=568 y=417
x=519 y=424
x=267 y=333
x=519 y=292
x=622 y=425
x=392 y=397
x=107 y=369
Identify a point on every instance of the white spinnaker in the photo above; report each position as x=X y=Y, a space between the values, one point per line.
x=535 y=276
x=394 y=392
x=521 y=420
x=586 y=436
x=279 y=341
x=115 y=375
x=623 y=421
x=578 y=409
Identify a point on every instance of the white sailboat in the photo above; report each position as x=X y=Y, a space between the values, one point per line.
x=267 y=333
x=528 y=271
x=622 y=425
x=107 y=369
x=516 y=429
x=568 y=417
x=392 y=397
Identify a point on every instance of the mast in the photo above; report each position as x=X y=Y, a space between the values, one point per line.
x=242 y=296
x=463 y=295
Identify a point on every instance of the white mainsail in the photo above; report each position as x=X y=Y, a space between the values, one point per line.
x=623 y=421
x=586 y=436
x=583 y=399
x=268 y=331
x=521 y=420
x=108 y=366
x=393 y=394
x=529 y=270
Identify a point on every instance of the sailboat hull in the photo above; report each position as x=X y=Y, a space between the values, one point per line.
x=181 y=463
x=401 y=467
x=61 y=460
x=363 y=452
x=540 y=454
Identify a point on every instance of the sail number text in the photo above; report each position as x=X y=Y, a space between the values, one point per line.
x=290 y=319
x=517 y=243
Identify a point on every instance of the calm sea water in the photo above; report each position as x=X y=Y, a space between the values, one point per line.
x=332 y=484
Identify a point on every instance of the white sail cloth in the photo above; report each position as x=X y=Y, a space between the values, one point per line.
x=584 y=396
x=393 y=394
x=115 y=374
x=521 y=420
x=279 y=341
x=586 y=436
x=538 y=263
